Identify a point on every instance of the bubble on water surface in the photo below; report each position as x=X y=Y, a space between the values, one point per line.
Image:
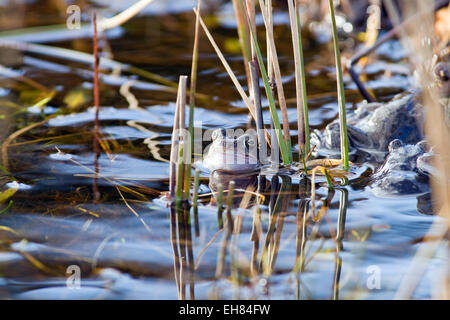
x=18 y=186
x=61 y=156
x=39 y=110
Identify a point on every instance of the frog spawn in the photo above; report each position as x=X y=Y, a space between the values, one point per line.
x=400 y=173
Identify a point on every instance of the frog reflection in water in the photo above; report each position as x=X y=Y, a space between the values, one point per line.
x=400 y=174
x=375 y=125
x=245 y=184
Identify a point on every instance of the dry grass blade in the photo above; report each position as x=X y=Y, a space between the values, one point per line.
x=14 y=136
x=124 y=16
x=8 y=229
x=324 y=162
x=202 y=252
x=39 y=265
x=227 y=67
x=438 y=134
x=106 y=178
x=174 y=146
x=82 y=57
x=133 y=211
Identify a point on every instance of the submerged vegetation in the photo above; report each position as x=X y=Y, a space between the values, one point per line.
x=322 y=199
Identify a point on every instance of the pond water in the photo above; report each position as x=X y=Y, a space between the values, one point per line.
x=128 y=245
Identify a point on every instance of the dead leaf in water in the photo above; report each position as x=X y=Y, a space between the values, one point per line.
x=77 y=97
x=5 y=195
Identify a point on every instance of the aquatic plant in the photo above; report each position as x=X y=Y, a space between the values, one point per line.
x=423 y=58
x=193 y=87
x=244 y=37
x=177 y=154
x=304 y=144
x=341 y=90
x=286 y=152
x=96 y=139
x=309 y=237
x=273 y=71
x=196 y=186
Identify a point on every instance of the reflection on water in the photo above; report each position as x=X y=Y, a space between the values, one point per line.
x=129 y=244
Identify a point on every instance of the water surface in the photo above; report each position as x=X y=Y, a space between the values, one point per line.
x=124 y=243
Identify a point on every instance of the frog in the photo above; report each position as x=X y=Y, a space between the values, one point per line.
x=374 y=125
x=232 y=154
x=400 y=174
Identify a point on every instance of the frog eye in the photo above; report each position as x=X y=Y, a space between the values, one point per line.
x=395 y=144
x=424 y=146
x=215 y=134
x=442 y=70
x=219 y=133
x=249 y=142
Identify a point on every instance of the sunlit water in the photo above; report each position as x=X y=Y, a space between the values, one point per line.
x=126 y=250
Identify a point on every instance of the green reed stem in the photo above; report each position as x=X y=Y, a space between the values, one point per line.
x=243 y=35
x=307 y=147
x=340 y=91
x=286 y=152
x=196 y=186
